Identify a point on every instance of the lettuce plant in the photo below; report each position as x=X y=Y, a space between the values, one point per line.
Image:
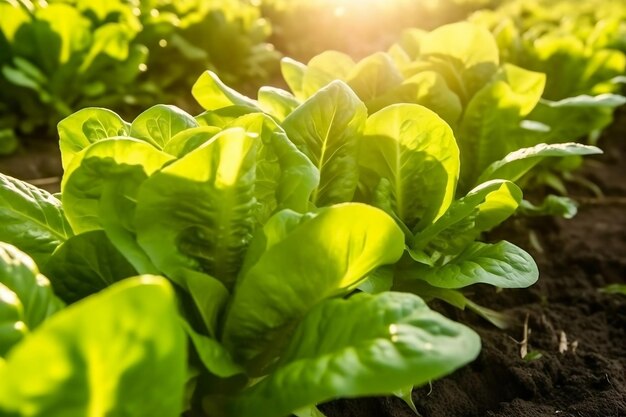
x=265 y=275
x=583 y=57
x=494 y=108
x=405 y=160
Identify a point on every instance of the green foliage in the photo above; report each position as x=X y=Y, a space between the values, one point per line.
x=502 y=264
x=583 y=57
x=101 y=356
x=85 y=264
x=410 y=162
x=299 y=280
x=326 y=129
x=62 y=56
x=580 y=54
x=380 y=348
x=407 y=163
x=8 y=141
x=238 y=212
x=32 y=219
x=228 y=37
x=614 y=289
x=518 y=163
x=493 y=107
x=26 y=298
x=288 y=231
x=552 y=205
x=57 y=60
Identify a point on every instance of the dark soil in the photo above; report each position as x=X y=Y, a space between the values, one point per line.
x=576 y=258
x=37 y=161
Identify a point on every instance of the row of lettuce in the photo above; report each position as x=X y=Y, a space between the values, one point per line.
x=59 y=56
x=271 y=254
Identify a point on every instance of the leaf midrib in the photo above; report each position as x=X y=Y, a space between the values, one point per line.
x=320 y=162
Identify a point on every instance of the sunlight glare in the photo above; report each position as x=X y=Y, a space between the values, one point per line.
x=343 y=7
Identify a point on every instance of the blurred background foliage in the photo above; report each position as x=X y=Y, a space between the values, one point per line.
x=58 y=56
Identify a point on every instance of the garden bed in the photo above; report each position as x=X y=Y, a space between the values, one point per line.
x=354 y=233
x=565 y=308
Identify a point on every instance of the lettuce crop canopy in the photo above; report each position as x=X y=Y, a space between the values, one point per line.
x=408 y=163
x=278 y=339
x=457 y=71
x=268 y=255
x=580 y=55
x=240 y=220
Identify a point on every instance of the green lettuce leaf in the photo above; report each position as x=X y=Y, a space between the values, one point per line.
x=160 y=123
x=481 y=209
x=514 y=165
x=212 y=353
x=500 y=264
x=326 y=128
x=12 y=327
x=552 y=205
x=211 y=93
x=427 y=88
x=100 y=187
x=32 y=219
x=187 y=140
x=109 y=163
x=120 y=352
x=321 y=70
x=85 y=264
x=342 y=245
x=197 y=214
x=572 y=118
x=405 y=282
x=277 y=102
x=490 y=127
x=410 y=161
x=373 y=76
x=464 y=53
x=293 y=73
x=285 y=176
x=87 y=126
x=365 y=345
x=26 y=298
